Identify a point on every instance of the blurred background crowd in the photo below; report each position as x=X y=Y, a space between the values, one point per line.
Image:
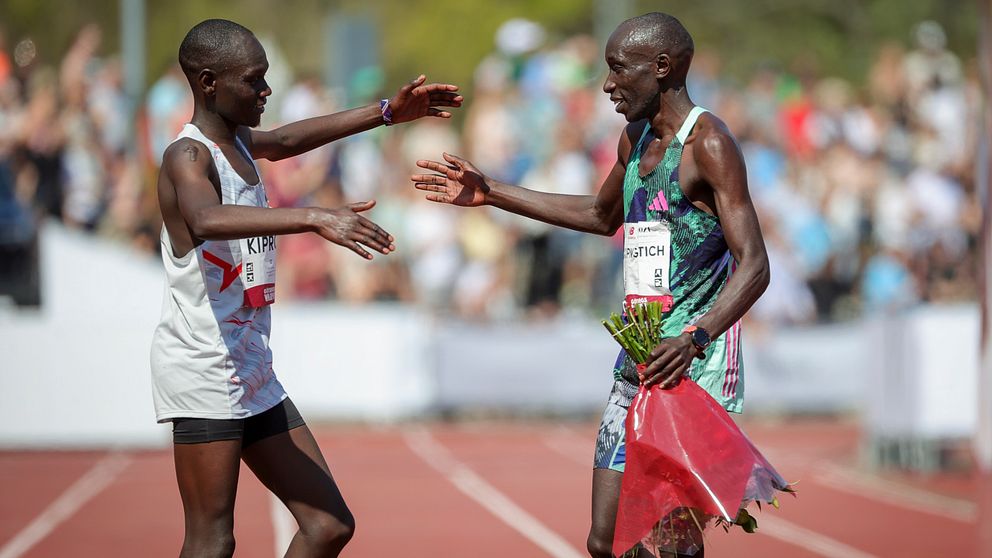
x=865 y=184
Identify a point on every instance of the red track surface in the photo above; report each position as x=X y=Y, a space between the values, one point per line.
x=408 y=507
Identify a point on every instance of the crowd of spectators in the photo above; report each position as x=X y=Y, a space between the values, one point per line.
x=866 y=191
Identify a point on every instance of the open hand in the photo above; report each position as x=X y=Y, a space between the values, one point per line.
x=416 y=100
x=459 y=182
x=668 y=362
x=344 y=226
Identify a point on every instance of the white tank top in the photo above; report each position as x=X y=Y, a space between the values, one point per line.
x=210 y=355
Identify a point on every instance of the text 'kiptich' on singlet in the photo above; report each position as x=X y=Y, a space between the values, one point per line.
x=676 y=253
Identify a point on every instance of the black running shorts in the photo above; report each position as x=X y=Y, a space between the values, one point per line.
x=281 y=418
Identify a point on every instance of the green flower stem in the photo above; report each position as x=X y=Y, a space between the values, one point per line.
x=640 y=332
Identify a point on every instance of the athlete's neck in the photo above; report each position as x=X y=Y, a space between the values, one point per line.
x=213 y=125
x=674 y=106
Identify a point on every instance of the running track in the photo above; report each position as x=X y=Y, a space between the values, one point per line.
x=483 y=490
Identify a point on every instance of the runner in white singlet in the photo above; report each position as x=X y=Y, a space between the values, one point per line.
x=210 y=358
x=215 y=315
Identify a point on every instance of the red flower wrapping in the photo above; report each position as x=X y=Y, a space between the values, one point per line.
x=687 y=461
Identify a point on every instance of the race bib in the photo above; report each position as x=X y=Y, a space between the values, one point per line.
x=258 y=270
x=647 y=261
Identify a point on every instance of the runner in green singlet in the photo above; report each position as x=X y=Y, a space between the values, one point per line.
x=691 y=235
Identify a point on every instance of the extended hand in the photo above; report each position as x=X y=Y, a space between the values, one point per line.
x=344 y=226
x=459 y=183
x=668 y=362
x=415 y=100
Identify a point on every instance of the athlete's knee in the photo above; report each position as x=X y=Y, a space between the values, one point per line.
x=327 y=533
x=208 y=542
x=209 y=531
x=599 y=546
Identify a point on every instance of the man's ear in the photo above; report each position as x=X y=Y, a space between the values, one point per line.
x=207 y=81
x=663 y=66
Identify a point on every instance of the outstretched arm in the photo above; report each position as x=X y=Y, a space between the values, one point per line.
x=194 y=199
x=458 y=182
x=721 y=165
x=414 y=100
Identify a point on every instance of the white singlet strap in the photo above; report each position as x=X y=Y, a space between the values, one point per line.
x=690 y=121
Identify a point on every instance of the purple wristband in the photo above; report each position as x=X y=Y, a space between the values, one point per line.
x=387 y=113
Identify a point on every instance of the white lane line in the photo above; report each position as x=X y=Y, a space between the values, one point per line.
x=431 y=452
x=570 y=445
x=283 y=525
x=896 y=493
x=788 y=532
x=569 y=451
x=94 y=481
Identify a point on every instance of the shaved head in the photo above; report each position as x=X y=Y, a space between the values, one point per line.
x=217 y=44
x=660 y=33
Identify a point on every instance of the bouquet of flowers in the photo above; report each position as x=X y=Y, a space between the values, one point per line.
x=687 y=461
x=638 y=330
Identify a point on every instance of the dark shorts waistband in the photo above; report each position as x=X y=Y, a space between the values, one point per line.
x=281 y=418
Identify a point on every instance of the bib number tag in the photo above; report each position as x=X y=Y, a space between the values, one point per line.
x=258 y=270
x=647 y=263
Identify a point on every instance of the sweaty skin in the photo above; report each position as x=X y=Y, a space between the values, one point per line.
x=229 y=100
x=189 y=189
x=648 y=60
x=712 y=176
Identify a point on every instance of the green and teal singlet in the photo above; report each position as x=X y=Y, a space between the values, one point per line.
x=700 y=265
